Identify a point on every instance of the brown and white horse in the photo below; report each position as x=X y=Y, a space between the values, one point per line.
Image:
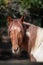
x=16 y=34
x=30 y=39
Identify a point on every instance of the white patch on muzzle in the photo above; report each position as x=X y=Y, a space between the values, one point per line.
x=13 y=51
x=16 y=51
x=28 y=34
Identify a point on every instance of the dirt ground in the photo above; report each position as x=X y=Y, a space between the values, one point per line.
x=15 y=62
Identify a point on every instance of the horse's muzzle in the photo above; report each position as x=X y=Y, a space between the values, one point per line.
x=16 y=52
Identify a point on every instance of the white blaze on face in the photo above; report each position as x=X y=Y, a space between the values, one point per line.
x=15 y=28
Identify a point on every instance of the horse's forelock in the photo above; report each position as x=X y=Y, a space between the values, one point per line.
x=16 y=23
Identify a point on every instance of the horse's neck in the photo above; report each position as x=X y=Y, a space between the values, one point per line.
x=37 y=51
x=32 y=39
x=39 y=38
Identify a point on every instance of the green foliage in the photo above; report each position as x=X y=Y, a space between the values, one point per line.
x=32 y=3
x=25 y=3
x=37 y=3
x=0 y=2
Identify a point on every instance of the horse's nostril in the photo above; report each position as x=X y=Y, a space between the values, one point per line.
x=15 y=49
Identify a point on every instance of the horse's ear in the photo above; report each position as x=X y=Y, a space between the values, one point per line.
x=9 y=19
x=21 y=19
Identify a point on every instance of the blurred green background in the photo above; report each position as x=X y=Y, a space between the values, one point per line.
x=31 y=9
